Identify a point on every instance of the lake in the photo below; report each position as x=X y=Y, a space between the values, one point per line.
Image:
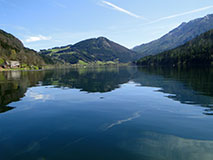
x=103 y=113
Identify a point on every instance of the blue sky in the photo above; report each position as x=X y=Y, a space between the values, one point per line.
x=44 y=24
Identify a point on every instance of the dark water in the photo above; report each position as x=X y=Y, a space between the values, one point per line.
x=117 y=113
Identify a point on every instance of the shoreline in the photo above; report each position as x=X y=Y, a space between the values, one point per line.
x=64 y=66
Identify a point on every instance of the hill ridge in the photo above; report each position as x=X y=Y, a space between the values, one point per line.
x=99 y=49
x=198 y=51
x=176 y=37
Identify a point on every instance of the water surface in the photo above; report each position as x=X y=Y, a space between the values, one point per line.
x=104 y=113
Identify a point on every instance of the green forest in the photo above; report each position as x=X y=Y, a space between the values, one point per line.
x=198 y=51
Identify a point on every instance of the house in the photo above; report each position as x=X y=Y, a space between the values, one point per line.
x=14 y=64
x=10 y=64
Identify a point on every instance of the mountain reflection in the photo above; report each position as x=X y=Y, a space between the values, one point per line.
x=13 y=86
x=188 y=86
x=5 y=109
x=100 y=79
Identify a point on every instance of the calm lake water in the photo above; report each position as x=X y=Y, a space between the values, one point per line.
x=107 y=113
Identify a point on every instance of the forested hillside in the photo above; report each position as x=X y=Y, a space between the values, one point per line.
x=177 y=37
x=198 y=51
x=96 y=50
x=12 y=49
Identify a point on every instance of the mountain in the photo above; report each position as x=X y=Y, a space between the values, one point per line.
x=177 y=37
x=198 y=51
x=12 y=49
x=99 y=50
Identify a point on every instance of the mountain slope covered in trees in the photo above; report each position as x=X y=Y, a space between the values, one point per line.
x=96 y=50
x=12 y=49
x=198 y=51
x=177 y=37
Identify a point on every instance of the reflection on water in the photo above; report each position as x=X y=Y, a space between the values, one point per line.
x=126 y=113
x=5 y=109
x=103 y=79
x=159 y=146
x=189 y=86
x=13 y=86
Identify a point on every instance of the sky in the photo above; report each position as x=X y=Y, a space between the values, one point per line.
x=42 y=24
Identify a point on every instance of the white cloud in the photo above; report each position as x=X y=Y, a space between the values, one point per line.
x=37 y=38
x=182 y=14
x=121 y=10
x=38 y=96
